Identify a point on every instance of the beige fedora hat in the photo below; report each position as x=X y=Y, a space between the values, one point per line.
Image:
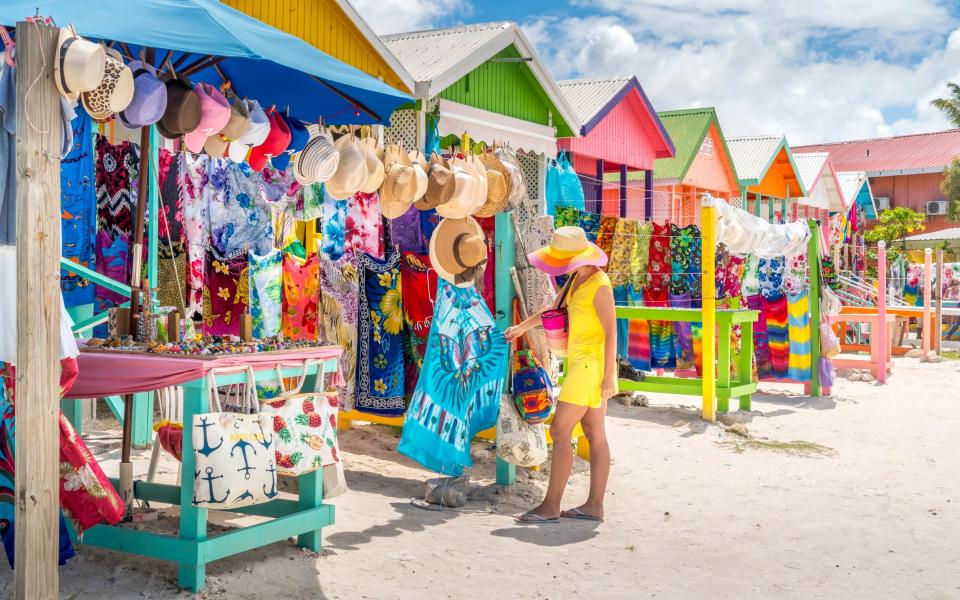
x=440 y=184
x=399 y=183
x=79 y=64
x=375 y=167
x=420 y=170
x=458 y=251
x=462 y=202
x=351 y=170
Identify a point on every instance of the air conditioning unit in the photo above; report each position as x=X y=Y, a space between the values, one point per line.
x=937 y=207
x=883 y=202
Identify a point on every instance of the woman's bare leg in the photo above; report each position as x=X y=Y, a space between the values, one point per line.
x=594 y=427
x=565 y=419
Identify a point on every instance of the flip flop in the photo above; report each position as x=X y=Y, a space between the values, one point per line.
x=533 y=518
x=576 y=513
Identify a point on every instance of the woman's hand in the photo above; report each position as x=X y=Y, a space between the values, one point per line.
x=512 y=333
x=610 y=386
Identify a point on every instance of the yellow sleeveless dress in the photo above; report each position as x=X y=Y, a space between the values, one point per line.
x=584 y=376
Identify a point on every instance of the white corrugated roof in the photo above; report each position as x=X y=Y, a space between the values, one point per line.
x=752 y=155
x=951 y=234
x=589 y=96
x=850 y=182
x=809 y=165
x=427 y=55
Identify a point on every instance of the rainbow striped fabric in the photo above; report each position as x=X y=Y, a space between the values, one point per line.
x=798 y=321
x=761 y=345
x=775 y=313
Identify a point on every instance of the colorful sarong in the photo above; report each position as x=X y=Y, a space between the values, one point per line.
x=419 y=290
x=606 y=233
x=380 y=380
x=225 y=293
x=266 y=293
x=683 y=340
x=775 y=312
x=761 y=343
x=798 y=315
x=338 y=310
x=78 y=206
x=590 y=223
x=301 y=297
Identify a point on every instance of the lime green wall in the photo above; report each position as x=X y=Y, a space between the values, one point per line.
x=507 y=88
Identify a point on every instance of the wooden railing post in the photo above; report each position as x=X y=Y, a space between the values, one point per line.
x=37 y=496
x=709 y=307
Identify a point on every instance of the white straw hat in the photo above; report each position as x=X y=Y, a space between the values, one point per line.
x=79 y=64
x=351 y=170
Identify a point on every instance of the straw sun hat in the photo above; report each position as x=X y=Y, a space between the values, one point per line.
x=569 y=249
x=375 y=170
x=399 y=183
x=318 y=160
x=351 y=171
x=463 y=201
x=458 y=251
x=440 y=184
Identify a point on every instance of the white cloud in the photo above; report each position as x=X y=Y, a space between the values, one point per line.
x=395 y=16
x=807 y=69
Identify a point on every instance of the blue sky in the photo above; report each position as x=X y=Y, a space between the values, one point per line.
x=816 y=70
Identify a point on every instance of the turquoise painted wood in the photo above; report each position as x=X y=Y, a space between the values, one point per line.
x=505 y=257
x=153 y=202
x=191 y=549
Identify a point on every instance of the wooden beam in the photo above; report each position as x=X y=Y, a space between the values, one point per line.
x=37 y=496
x=623 y=190
x=648 y=195
x=598 y=185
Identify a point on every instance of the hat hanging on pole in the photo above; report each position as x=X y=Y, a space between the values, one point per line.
x=79 y=64
x=458 y=251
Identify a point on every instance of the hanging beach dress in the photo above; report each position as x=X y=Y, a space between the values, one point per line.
x=380 y=380
x=266 y=293
x=334 y=226
x=117 y=172
x=339 y=290
x=78 y=204
x=458 y=393
x=364 y=232
x=419 y=290
x=301 y=297
x=662 y=351
x=196 y=227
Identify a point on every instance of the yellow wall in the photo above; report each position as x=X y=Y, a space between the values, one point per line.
x=322 y=24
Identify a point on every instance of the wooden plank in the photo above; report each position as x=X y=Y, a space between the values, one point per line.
x=93 y=277
x=38 y=324
x=938 y=319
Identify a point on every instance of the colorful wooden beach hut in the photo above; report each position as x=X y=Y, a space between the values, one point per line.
x=621 y=133
x=334 y=27
x=702 y=163
x=855 y=187
x=769 y=177
x=823 y=188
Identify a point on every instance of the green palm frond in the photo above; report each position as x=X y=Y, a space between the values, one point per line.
x=950 y=107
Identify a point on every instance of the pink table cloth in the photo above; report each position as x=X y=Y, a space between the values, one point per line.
x=104 y=373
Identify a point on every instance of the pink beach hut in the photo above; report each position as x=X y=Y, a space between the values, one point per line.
x=621 y=134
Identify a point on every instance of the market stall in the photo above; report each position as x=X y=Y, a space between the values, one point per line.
x=178 y=74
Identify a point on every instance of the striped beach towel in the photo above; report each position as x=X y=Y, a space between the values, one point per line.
x=775 y=312
x=798 y=320
x=638 y=334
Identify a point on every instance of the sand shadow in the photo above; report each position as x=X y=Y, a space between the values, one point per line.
x=409 y=520
x=554 y=535
x=794 y=401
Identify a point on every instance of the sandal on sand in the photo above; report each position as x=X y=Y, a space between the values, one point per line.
x=533 y=518
x=576 y=513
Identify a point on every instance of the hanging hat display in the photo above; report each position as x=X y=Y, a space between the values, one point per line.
x=351 y=171
x=399 y=183
x=375 y=169
x=299 y=136
x=79 y=64
x=214 y=115
x=318 y=161
x=458 y=251
x=239 y=123
x=276 y=142
x=114 y=92
x=149 y=97
x=480 y=192
x=440 y=184
x=499 y=183
x=463 y=201
x=256 y=133
x=420 y=171
x=182 y=114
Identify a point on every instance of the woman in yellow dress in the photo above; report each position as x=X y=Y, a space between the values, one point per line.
x=591 y=378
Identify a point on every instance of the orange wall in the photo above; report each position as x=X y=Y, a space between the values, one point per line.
x=710 y=170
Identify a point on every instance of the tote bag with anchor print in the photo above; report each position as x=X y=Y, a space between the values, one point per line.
x=234 y=463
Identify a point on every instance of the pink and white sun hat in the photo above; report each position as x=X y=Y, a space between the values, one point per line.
x=569 y=249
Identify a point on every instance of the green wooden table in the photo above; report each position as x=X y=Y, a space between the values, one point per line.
x=192 y=548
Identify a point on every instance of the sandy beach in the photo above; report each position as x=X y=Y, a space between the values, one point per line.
x=854 y=496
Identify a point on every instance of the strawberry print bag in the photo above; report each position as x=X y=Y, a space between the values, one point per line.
x=304 y=424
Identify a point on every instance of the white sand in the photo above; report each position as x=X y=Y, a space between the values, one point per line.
x=687 y=516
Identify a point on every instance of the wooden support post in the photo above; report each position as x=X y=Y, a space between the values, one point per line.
x=813 y=260
x=708 y=266
x=623 y=192
x=37 y=491
x=938 y=335
x=504 y=257
x=648 y=195
x=770 y=214
x=927 y=289
x=881 y=326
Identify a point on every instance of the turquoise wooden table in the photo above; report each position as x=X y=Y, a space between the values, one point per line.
x=192 y=549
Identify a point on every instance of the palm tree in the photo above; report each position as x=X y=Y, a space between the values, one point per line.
x=950 y=106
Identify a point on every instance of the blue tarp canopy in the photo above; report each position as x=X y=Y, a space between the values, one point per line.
x=261 y=62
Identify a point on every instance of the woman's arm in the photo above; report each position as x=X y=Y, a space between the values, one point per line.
x=518 y=330
x=607 y=312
